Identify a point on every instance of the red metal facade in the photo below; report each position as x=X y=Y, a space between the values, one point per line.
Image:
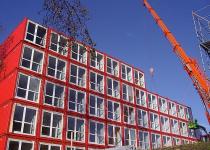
x=8 y=87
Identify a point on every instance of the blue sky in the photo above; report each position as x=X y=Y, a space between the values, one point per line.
x=125 y=29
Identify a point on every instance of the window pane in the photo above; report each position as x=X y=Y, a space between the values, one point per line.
x=13 y=145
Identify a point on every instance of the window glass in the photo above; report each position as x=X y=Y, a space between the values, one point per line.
x=54 y=95
x=28 y=87
x=36 y=34
x=76 y=101
x=32 y=59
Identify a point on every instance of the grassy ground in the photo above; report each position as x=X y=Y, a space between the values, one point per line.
x=195 y=146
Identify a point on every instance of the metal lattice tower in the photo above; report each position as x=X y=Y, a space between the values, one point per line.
x=201 y=20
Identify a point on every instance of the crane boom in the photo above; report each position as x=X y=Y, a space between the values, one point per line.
x=199 y=79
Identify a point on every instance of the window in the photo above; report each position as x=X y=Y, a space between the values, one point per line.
x=76 y=101
x=74 y=148
x=24 y=120
x=56 y=68
x=54 y=95
x=129 y=114
x=52 y=124
x=174 y=126
x=165 y=125
x=58 y=43
x=96 y=82
x=96 y=134
x=32 y=59
x=96 y=106
x=163 y=105
x=176 y=141
x=126 y=73
x=130 y=136
x=76 y=129
x=156 y=141
x=139 y=78
x=183 y=128
x=152 y=101
x=97 y=61
x=185 y=141
x=112 y=67
x=49 y=146
x=181 y=113
x=172 y=108
x=154 y=121
x=14 y=144
x=188 y=113
x=113 y=88
x=127 y=93
x=113 y=110
x=144 y=141
x=28 y=87
x=167 y=141
x=36 y=33
x=141 y=98
x=79 y=53
x=114 y=135
x=142 y=118
x=78 y=76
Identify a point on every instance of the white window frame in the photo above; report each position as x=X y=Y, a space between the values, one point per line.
x=81 y=108
x=99 y=112
x=188 y=115
x=115 y=114
x=183 y=128
x=64 y=51
x=128 y=94
x=128 y=75
x=60 y=99
x=80 y=58
x=23 y=122
x=175 y=126
x=115 y=92
x=172 y=109
x=27 y=90
x=165 y=124
x=152 y=101
x=154 y=121
x=181 y=112
x=20 y=142
x=130 y=141
x=62 y=73
x=75 y=132
x=157 y=143
x=167 y=141
x=141 y=98
x=40 y=65
x=117 y=142
x=139 y=78
x=142 y=119
x=79 y=81
x=163 y=105
x=99 y=87
x=114 y=70
x=49 y=145
x=74 y=148
x=98 y=64
x=176 y=141
x=131 y=115
x=35 y=33
x=51 y=124
x=96 y=132
x=145 y=143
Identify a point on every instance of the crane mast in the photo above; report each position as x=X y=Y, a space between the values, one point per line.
x=199 y=79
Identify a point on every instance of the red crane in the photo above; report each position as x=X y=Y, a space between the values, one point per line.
x=199 y=79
